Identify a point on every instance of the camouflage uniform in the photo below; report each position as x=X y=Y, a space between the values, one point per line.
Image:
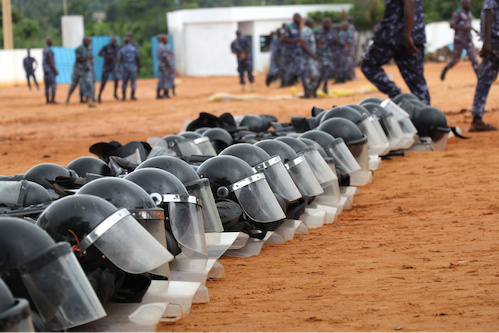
x=325 y=49
x=462 y=39
x=48 y=73
x=311 y=65
x=489 y=67
x=389 y=43
x=341 y=57
x=28 y=64
x=275 y=69
x=293 y=59
x=129 y=55
x=82 y=72
x=240 y=45
x=110 y=66
x=352 y=51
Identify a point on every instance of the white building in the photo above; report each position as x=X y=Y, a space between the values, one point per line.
x=202 y=37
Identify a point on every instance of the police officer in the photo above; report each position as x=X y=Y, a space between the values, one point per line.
x=241 y=47
x=49 y=72
x=129 y=57
x=82 y=71
x=325 y=46
x=30 y=65
x=165 y=68
x=110 y=54
x=400 y=35
x=489 y=67
x=461 y=23
x=311 y=64
x=294 y=48
x=352 y=49
x=341 y=55
x=275 y=57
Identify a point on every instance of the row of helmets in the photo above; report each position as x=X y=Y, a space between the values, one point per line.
x=100 y=229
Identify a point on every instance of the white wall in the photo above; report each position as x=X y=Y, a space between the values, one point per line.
x=440 y=34
x=73 y=30
x=11 y=62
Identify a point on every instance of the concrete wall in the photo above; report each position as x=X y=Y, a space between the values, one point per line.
x=11 y=62
x=73 y=30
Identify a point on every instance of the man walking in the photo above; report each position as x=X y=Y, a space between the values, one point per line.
x=311 y=64
x=49 y=72
x=165 y=68
x=400 y=35
x=30 y=65
x=325 y=47
x=82 y=71
x=241 y=47
x=129 y=57
x=461 y=23
x=110 y=54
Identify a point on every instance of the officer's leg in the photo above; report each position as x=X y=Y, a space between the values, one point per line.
x=456 y=56
x=124 y=83
x=34 y=79
x=487 y=74
x=75 y=78
x=378 y=55
x=472 y=55
x=240 y=70
x=116 y=79
x=412 y=69
x=28 y=78
x=161 y=81
x=103 y=81
x=54 y=88
x=88 y=88
x=47 y=82
x=133 y=80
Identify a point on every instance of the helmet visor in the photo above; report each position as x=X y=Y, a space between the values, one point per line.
x=319 y=167
x=161 y=149
x=302 y=175
x=278 y=179
x=188 y=148
x=127 y=244
x=257 y=199
x=345 y=162
x=439 y=138
x=373 y=138
x=17 y=318
x=360 y=152
x=205 y=146
x=11 y=192
x=153 y=220
x=60 y=290
x=211 y=219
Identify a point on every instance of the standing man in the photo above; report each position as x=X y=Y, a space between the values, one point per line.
x=461 y=23
x=49 y=72
x=129 y=57
x=325 y=45
x=352 y=50
x=110 y=54
x=30 y=65
x=165 y=68
x=241 y=47
x=82 y=71
x=489 y=67
x=342 y=63
x=400 y=35
x=311 y=64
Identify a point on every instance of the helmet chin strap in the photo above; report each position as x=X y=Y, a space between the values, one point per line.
x=456 y=133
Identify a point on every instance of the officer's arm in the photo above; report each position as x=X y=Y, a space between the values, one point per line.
x=35 y=63
x=286 y=39
x=409 y=25
x=307 y=51
x=487 y=34
x=455 y=21
x=52 y=64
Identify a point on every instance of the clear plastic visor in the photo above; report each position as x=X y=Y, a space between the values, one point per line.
x=161 y=148
x=377 y=125
x=11 y=191
x=135 y=157
x=407 y=126
x=345 y=162
x=205 y=146
x=153 y=220
x=396 y=110
x=278 y=178
x=373 y=138
x=439 y=139
x=127 y=244
x=257 y=199
x=303 y=176
x=393 y=128
x=211 y=219
x=319 y=167
x=188 y=148
x=17 y=318
x=60 y=289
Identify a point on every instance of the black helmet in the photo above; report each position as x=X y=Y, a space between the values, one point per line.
x=271 y=166
x=15 y=315
x=47 y=274
x=375 y=100
x=344 y=112
x=297 y=166
x=180 y=168
x=409 y=102
x=254 y=123
x=22 y=193
x=432 y=122
x=201 y=130
x=89 y=164
x=182 y=212
x=232 y=178
x=359 y=108
x=46 y=175
x=220 y=138
x=312 y=143
x=201 y=141
x=133 y=151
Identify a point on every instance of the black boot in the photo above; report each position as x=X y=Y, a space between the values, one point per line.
x=444 y=71
x=124 y=95
x=132 y=97
x=166 y=95
x=173 y=91
x=158 y=94
x=98 y=98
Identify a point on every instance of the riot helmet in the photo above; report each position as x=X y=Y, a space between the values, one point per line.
x=202 y=142
x=133 y=151
x=233 y=179
x=432 y=122
x=15 y=315
x=355 y=141
x=47 y=274
x=254 y=123
x=201 y=130
x=375 y=100
x=194 y=185
x=183 y=147
x=46 y=174
x=409 y=103
x=297 y=166
x=182 y=212
x=89 y=164
x=22 y=193
x=402 y=117
x=220 y=138
x=271 y=166
x=125 y=194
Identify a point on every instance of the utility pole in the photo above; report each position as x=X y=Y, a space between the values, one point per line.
x=65 y=7
x=8 y=39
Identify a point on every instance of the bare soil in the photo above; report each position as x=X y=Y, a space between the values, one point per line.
x=418 y=251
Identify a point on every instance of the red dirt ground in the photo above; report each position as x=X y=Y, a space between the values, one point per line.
x=418 y=251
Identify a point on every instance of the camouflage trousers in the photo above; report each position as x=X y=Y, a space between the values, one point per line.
x=50 y=84
x=326 y=65
x=410 y=66
x=165 y=78
x=245 y=66
x=487 y=74
x=458 y=50
x=129 y=75
x=85 y=79
x=312 y=73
